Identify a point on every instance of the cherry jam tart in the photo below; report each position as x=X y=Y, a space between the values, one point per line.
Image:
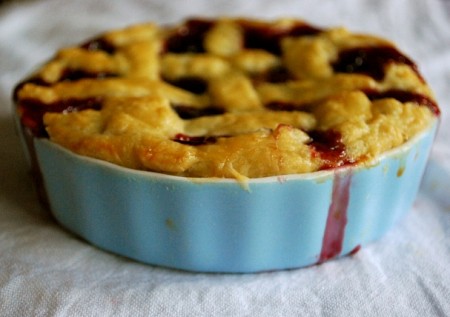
x=228 y=145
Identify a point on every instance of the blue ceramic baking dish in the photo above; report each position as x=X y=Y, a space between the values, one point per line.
x=222 y=225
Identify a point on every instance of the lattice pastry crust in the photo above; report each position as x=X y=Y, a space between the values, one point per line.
x=228 y=98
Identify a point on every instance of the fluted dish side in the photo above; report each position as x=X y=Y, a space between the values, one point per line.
x=215 y=225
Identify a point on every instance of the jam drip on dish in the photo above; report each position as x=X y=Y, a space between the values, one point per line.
x=333 y=238
x=33 y=110
x=269 y=38
x=405 y=96
x=188 y=112
x=189 y=37
x=371 y=61
x=329 y=147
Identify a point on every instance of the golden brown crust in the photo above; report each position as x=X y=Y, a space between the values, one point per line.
x=269 y=102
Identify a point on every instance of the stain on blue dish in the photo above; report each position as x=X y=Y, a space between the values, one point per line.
x=218 y=225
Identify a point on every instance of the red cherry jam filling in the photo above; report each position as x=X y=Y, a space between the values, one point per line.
x=268 y=38
x=32 y=111
x=33 y=80
x=370 y=61
x=78 y=74
x=189 y=37
x=405 y=96
x=329 y=147
x=284 y=106
x=195 y=85
x=194 y=140
x=276 y=75
x=99 y=44
x=188 y=112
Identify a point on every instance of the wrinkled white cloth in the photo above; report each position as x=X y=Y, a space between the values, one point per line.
x=46 y=271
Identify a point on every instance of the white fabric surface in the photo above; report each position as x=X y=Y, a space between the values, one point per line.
x=46 y=271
